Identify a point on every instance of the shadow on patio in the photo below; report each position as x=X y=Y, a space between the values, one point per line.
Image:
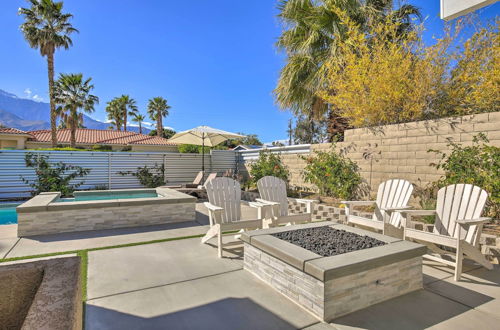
x=229 y=313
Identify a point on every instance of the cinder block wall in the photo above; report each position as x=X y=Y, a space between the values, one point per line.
x=401 y=150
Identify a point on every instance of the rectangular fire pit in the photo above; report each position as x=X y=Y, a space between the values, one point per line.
x=332 y=269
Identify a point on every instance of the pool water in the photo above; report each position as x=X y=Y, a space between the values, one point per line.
x=110 y=196
x=8 y=213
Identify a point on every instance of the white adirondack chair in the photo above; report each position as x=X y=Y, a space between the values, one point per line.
x=457 y=227
x=392 y=195
x=272 y=192
x=224 y=206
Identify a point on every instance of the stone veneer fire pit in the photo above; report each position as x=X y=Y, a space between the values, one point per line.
x=353 y=273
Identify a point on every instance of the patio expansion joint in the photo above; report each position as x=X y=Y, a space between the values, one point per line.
x=163 y=285
x=11 y=248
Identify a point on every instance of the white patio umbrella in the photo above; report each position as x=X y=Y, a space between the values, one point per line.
x=203 y=136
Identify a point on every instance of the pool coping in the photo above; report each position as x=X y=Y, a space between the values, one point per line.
x=47 y=201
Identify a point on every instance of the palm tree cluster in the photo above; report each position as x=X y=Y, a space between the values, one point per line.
x=311 y=29
x=46 y=27
x=119 y=108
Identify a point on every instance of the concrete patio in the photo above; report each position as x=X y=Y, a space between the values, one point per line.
x=183 y=285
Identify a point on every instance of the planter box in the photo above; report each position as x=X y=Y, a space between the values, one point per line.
x=330 y=287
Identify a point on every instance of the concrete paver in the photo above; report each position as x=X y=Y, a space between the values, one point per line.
x=102 y=238
x=138 y=267
x=478 y=289
x=418 y=310
x=234 y=300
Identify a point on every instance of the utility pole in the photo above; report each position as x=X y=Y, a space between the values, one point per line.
x=290 y=131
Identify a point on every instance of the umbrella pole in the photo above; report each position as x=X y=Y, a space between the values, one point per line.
x=203 y=158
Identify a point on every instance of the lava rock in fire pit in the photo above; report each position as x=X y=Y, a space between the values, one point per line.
x=327 y=241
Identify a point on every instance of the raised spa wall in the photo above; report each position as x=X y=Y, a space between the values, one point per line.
x=43 y=215
x=330 y=287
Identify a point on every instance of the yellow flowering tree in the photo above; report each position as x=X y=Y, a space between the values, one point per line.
x=378 y=77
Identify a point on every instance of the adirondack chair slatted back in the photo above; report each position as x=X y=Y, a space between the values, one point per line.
x=459 y=201
x=225 y=193
x=391 y=194
x=273 y=189
x=197 y=179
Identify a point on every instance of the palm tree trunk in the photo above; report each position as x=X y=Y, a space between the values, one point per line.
x=125 y=119
x=73 y=123
x=336 y=126
x=140 y=127
x=53 y=114
x=159 y=124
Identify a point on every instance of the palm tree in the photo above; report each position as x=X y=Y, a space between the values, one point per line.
x=47 y=28
x=114 y=113
x=128 y=107
x=311 y=28
x=157 y=109
x=71 y=94
x=138 y=118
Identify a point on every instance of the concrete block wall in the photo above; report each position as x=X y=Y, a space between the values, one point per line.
x=401 y=150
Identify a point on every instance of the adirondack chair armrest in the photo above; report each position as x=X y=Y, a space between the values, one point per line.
x=303 y=201
x=212 y=207
x=472 y=221
x=417 y=212
x=263 y=201
x=257 y=204
x=396 y=209
x=358 y=203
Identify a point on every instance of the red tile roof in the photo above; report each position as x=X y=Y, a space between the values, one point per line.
x=100 y=136
x=13 y=131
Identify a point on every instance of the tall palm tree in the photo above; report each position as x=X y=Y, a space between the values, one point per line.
x=311 y=28
x=157 y=109
x=138 y=118
x=128 y=107
x=114 y=113
x=47 y=28
x=72 y=94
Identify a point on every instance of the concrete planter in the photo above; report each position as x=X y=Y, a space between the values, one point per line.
x=43 y=294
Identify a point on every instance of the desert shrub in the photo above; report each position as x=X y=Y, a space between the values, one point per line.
x=334 y=174
x=270 y=164
x=53 y=177
x=101 y=147
x=150 y=177
x=478 y=164
x=192 y=149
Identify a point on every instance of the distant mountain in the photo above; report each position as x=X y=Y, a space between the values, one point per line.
x=29 y=115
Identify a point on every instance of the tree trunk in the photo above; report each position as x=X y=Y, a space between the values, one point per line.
x=73 y=121
x=125 y=119
x=336 y=126
x=53 y=114
x=159 y=124
x=140 y=128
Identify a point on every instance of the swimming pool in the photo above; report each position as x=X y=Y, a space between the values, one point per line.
x=8 y=215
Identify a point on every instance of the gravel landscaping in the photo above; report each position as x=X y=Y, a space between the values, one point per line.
x=326 y=241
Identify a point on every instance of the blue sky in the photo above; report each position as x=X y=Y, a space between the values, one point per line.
x=214 y=61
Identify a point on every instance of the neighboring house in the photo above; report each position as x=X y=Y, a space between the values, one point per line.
x=246 y=147
x=12 y=138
